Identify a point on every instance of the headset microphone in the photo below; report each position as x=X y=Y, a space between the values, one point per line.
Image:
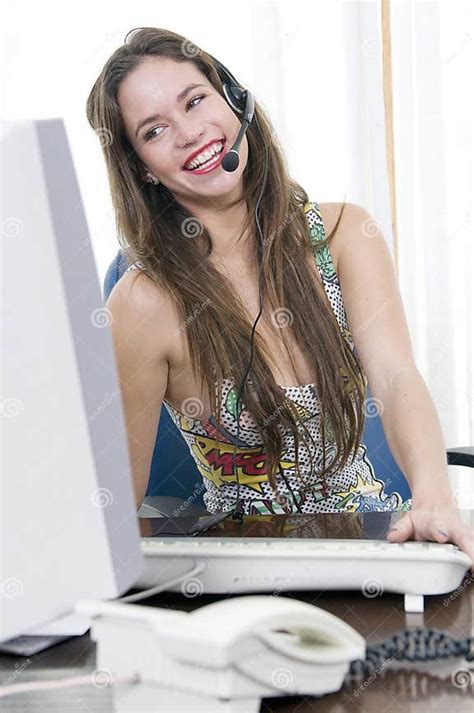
x=243 y=103
x=231 y=159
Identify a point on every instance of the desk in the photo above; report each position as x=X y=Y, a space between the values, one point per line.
x=374 y=618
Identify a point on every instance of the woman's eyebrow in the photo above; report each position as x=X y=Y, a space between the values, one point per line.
x=179 y=99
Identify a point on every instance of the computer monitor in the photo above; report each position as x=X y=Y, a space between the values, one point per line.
x=68 y=517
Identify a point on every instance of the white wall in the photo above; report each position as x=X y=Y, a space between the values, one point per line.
x=289 y=54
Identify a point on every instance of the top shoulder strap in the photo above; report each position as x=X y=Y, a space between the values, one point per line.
x=317 y=235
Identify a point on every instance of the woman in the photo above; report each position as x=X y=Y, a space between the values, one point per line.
x=183 y=312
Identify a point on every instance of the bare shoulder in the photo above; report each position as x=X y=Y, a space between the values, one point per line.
x=143 y=311
x=330 y=214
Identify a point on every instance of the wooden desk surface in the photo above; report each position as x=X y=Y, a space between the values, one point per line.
x=375 y=618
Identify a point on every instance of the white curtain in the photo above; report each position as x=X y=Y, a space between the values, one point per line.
x=431 y=60
x=317 y=68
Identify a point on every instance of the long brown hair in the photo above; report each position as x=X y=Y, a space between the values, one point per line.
x=150 y=229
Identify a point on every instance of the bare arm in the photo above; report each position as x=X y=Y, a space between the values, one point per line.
x=377 y=320
x=414 y=435
x=139 y=318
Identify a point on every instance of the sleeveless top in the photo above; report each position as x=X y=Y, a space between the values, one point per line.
x=355 y=488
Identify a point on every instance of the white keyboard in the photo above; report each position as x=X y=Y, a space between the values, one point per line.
x=258 y=564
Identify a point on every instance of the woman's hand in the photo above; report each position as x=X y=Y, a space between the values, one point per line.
x=436 y=521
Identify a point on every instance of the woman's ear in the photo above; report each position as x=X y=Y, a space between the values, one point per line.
x=151 y=179
x=146 y=176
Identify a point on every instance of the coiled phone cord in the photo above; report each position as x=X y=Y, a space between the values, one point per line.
x=413 y=645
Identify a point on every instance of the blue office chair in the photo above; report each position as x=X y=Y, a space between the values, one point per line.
x=175 y=485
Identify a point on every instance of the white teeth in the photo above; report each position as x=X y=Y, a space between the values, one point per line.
x=206 y=155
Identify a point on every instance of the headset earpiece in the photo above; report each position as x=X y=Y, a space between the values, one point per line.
x=235 y=94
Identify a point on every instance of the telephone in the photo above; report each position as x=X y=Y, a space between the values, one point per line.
x=224 y=655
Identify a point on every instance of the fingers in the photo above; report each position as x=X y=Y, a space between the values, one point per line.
x=463 y=537
x=458 y=533
x=465 y=541
x=439 y=530
x=402 y=530
x=425 y=525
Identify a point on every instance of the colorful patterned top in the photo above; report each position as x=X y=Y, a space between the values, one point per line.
x=355 y=488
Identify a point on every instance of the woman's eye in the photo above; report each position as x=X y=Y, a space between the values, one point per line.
x=150 y=134
x=200 y=96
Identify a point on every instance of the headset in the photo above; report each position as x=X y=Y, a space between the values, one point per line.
x=242 y=102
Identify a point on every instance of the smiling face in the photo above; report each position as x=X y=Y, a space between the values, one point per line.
x=180 y=128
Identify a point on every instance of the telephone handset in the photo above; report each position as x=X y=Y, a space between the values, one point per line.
x=290 y=628
x=245 y=647
x=260 y=636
